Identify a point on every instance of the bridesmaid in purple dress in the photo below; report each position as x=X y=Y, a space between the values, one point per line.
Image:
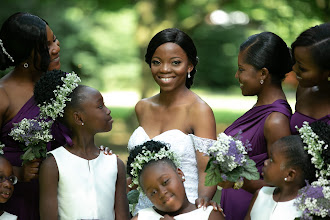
x=263 y=61
x=29 y=45
x=312 y=67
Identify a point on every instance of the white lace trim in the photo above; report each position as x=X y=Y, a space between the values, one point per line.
x=201 y=144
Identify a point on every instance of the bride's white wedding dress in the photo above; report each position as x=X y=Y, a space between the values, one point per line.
x=185 y=147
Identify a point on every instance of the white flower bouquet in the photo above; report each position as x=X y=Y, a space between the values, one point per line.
x=229 y=161
x=1 y=148
x=34 y=134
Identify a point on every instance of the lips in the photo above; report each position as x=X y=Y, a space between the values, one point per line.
x=6 y=195
x=167 y=199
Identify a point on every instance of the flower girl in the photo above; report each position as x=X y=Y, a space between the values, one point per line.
x=7 y=182
x=298 y=168
x=77 y=181
x=153 y=167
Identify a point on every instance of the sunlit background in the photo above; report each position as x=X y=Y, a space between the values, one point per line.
x=104 y=42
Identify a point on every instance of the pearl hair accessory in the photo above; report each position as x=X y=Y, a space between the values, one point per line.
x=5 y=52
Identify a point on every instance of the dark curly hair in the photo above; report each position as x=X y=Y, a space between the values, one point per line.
x=153 y=146
x=180 y=38
x=21 y=34
x=317 y=38
x=44 y=89
x=267 y=50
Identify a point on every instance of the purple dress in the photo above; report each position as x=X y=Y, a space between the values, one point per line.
x=298 y=119
x=25 y=200
x=235 y=203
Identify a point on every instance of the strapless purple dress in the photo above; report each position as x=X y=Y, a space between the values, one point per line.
x=235 y=203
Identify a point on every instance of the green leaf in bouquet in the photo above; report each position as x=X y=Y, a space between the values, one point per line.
x=28 y=155
x=213 y=175
x=250 y=171
x=235 y=174
x=133 y=196
x=208 y=165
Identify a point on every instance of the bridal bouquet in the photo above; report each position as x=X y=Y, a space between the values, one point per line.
x=229 y=162
x=34 y=134
x=1 y=148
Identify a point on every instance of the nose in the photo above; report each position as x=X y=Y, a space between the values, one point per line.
x=108 y=111
x=236 y=75
x=162 y=192
x=56 y=47
x=165 y=68
x=7 y=183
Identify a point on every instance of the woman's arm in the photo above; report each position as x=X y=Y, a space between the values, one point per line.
x=277 y=125
x=203 y=124
x=48 y=183
x=121 y=203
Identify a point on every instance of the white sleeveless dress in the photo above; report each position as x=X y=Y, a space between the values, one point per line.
x=185 y=147
x=198 y=214
x=7 y=216
x=86 y=188
x=265 y=208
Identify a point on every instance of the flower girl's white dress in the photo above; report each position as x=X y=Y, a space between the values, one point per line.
x=265 y=208
x=185 y=147
x=200 y=214
x=86 y=188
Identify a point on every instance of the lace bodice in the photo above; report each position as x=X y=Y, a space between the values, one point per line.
x=185 y=147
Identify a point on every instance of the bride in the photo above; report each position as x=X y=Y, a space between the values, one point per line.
x=176 y=115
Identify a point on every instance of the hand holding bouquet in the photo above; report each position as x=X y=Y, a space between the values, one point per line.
x=34 y=134
x=229 y=162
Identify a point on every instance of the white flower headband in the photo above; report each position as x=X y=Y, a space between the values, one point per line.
x=145 y=157
x=56 y=106
x=314 y=148
x=5 y=52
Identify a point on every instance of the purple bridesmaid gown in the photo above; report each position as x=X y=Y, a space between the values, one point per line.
x=25 y=200
x=298 y=119
x=235 y=203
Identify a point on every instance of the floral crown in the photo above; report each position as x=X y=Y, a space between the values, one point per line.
x=56 y=106
x=314 y=148
x=145 y=157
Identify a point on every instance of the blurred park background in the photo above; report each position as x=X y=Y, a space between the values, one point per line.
x=104 y=42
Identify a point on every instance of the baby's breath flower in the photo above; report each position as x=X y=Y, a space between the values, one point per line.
x=1 y=148
x=56 y=106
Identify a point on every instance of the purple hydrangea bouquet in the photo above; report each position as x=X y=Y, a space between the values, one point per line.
x=34 y=134
x=229 y=161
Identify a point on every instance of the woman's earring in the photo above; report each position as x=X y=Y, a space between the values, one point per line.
x=183 y=178
x=189 y=75
x=261 y=81
x=26 y=65
x=285 y=179
x=82 y=124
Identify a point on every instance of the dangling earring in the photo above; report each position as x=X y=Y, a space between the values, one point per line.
x=183 y=178
x=261 y=81
x=189 y=75
x=26 y=65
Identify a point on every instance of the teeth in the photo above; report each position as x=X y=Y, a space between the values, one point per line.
x=165 y=79
x=240 y=84
x=298 y=77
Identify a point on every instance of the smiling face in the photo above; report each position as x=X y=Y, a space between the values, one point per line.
x=6 y=187
x=164 y=187
x=307 y=71
x=54 y=50
x=248 y=77
x=274 y=170
x=169 y=66
x=95 y=115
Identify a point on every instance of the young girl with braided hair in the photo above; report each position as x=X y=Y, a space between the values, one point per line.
x=79 y=182
x=293 y=168
x=153 y=167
